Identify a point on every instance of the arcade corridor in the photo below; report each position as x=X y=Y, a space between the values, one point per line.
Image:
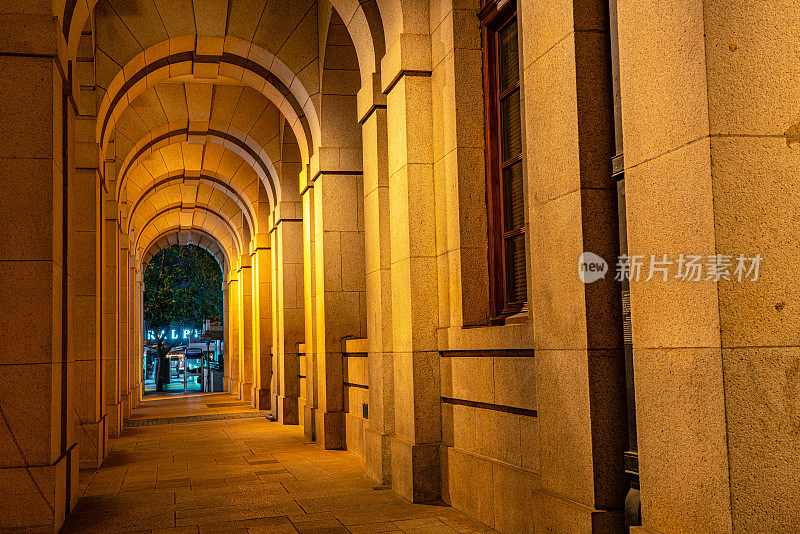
x=533 y=260
x=206 y=463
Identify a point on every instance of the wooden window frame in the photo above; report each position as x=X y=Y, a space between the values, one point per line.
x=494 y=16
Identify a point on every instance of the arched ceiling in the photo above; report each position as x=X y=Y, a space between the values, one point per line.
x=176 y=156
x=137 y=46
x=243 y=66
x=198 y=238
x=232 y=109
x=188 y=198
x=194 y=117
x=272 y=46
x=202 y=191
x=198 y=101
x=286 y=29
x=276 y=26
x=176 y=218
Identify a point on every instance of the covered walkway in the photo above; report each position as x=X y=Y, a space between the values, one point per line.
x=534 y=260
x=206 y=463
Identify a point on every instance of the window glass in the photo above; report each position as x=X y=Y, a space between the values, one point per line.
x=508 y=52
x=516 y=282
x=511 y=127
x=513 y=200
x=504 y=159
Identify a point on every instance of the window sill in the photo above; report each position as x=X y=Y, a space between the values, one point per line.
x=517 y=335
x=518 y=318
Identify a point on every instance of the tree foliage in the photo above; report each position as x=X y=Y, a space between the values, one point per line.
x=183 y=287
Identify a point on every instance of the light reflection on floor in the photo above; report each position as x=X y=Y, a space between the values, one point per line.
x=175 y=385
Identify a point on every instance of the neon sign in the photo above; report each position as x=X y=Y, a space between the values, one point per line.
x=174 y=334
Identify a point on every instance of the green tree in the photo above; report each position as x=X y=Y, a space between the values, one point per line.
x=182 y=287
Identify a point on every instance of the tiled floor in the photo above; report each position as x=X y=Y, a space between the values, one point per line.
x=240 y=475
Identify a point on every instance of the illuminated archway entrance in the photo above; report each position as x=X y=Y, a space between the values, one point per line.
x=182 y=299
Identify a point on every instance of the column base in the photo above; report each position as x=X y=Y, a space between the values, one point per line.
x=39 y=506
x=135 y=397
x=416 y=471
x=73 y=468
x=378 y=456
x=92 y=444
x=261 y=399
x=287 y=410
x=246 y=391
x=113 y=419
x=554 y=514
x=329 y=429
x=309 y=427
x=126 y=407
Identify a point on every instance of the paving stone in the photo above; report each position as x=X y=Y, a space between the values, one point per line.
x=242 y=475
x=428 y=525
x=375 y=528
x=324 y=526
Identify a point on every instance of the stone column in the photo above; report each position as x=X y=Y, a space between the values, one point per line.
x=111 y=363
x=137 y=301
x=86 y=259
x=579 y=358
x=86 y=310
x=232 y=348
x=123 y=324
x=276 y=320
x=288 y=264
x=377 y=262
x=69 y=444
x=135 y=328
x=340 y=292
x=670 y=205
x=226 y=331
x=310 y=302
x=712 y=168
x=39 y=461
x=261 y=259
x=86 y=263
x=415 y=466
x=245 y=287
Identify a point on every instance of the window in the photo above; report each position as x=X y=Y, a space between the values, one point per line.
x=506 y=219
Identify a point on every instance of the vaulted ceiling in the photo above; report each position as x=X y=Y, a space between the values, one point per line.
x=199 y=102
x=288 y=29
x=206 y=108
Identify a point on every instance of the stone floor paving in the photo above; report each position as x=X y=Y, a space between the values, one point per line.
x=244 y=475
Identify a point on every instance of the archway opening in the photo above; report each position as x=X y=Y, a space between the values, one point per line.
x=183 y=322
